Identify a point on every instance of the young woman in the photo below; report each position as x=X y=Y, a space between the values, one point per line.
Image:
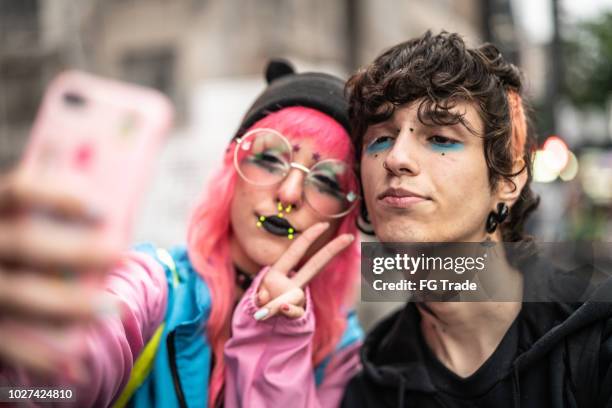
x=253 y=311
x=445 y=156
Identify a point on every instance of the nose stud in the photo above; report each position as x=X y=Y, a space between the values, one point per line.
x=281 y=209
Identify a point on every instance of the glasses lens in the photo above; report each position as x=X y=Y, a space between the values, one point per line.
x=263 y=157
x=331 y=187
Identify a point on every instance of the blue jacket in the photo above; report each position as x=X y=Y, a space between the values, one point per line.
x=180 y=359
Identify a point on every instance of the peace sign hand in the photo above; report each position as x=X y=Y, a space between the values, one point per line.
x=282 y=293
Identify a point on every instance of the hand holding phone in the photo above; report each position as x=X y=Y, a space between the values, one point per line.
x=65 y=214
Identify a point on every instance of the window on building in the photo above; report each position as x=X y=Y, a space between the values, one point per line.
x=152 y=68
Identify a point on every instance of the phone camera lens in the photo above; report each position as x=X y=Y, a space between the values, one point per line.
x=73 y=99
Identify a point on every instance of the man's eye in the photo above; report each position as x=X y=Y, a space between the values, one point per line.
x=442 y=141
x=379 y=143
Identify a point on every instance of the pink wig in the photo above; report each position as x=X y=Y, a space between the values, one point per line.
x=209 y=234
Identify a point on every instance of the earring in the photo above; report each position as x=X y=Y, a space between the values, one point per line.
x=363 y=221
x=495 y=218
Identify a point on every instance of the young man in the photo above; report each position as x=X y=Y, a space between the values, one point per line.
x=445 y=156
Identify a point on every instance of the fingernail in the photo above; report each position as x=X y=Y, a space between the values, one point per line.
x=285 y=308
x=324 y=225
x=261 y=313
x=350 y=238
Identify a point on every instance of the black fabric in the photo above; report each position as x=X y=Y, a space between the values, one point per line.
x=286 y=88
x=555 y=354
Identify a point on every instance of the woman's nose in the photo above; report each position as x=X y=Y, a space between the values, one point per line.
x=290 y=189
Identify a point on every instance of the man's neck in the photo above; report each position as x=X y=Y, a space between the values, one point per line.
x=463 y=335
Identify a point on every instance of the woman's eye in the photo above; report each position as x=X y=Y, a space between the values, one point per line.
x=326 y=185
x=379 y=144
x=267 y=161
x=267 y=157
x=327 y=182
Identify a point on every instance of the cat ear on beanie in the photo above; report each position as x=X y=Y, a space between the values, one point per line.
x=277 y=68
x=286 y=88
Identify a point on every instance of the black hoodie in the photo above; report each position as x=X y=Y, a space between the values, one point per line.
x=555 y=354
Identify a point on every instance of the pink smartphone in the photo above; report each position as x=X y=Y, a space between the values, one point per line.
x=96 y=139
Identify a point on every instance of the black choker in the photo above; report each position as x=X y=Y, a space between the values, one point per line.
x=243 y=279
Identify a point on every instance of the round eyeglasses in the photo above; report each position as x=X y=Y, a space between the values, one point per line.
x=264 y=157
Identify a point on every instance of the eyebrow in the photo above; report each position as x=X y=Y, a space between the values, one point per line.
x=461 y=121
x=388 y=124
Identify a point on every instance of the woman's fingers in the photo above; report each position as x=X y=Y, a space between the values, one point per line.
x=17 y=193
x=299 y=247
x=321 y=258
x=291 y=311
x=263 y=296
x=51 y=244
x=294 y=296
x=35 y=297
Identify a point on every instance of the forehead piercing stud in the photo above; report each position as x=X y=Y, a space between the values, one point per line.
x=296 y=148
x=316 y=156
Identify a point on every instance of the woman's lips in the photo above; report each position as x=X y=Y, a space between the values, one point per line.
x=277 y=225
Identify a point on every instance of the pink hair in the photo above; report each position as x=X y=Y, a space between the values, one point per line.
x=208 y=244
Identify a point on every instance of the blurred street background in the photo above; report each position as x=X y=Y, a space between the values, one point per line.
x=208 y=56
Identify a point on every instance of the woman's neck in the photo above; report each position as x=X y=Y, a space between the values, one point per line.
x=244 y=266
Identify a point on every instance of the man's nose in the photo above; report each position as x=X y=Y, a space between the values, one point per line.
x=401 y=160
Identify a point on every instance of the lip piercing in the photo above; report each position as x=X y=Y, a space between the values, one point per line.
x=262 y=218
x=259 y=222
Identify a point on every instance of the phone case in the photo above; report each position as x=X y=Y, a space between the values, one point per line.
x=96 y=139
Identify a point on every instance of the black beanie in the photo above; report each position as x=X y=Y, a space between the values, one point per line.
x=314 y=90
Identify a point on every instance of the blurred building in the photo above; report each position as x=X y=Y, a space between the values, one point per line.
x=37 y=39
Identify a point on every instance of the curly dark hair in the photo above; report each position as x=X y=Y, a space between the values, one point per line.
x=439 y=71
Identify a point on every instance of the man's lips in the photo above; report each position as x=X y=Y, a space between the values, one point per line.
x=400 y=198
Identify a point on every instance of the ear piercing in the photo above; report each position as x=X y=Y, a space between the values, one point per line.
x=495 y=218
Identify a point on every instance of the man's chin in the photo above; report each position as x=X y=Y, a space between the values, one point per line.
x=396 y=232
